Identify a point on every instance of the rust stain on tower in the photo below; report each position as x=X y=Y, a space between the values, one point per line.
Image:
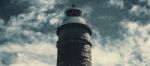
x=74 y=46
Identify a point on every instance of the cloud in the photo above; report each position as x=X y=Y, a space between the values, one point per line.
x=29 y=38
x=117 y=3
x=30 y=26
x=138 y=8
x=130 y=51
x=29 y=54
x=103 y=57
x=7 y=58
x=141 y=11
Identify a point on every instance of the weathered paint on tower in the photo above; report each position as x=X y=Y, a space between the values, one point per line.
x=74 y=46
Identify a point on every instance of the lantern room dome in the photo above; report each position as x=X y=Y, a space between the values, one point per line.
x=73 y=12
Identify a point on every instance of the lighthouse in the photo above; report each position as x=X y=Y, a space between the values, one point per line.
x=73 y=45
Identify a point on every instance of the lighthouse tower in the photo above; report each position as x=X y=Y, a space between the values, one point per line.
x=73 y=45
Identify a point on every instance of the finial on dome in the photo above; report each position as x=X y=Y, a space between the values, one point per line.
x=73 y=11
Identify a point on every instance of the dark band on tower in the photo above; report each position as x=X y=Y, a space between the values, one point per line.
x=74 y=46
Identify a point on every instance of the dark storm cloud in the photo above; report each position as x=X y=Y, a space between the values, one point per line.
x=136 y=2
x=107 y=14
x=7 y=58
x=104 y=16
x=32 y=23
x=13 y=7
x=24 y=22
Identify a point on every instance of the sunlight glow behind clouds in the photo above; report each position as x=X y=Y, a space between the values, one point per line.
x=103 y=57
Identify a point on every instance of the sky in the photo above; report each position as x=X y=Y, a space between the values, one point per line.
x=121 y=34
